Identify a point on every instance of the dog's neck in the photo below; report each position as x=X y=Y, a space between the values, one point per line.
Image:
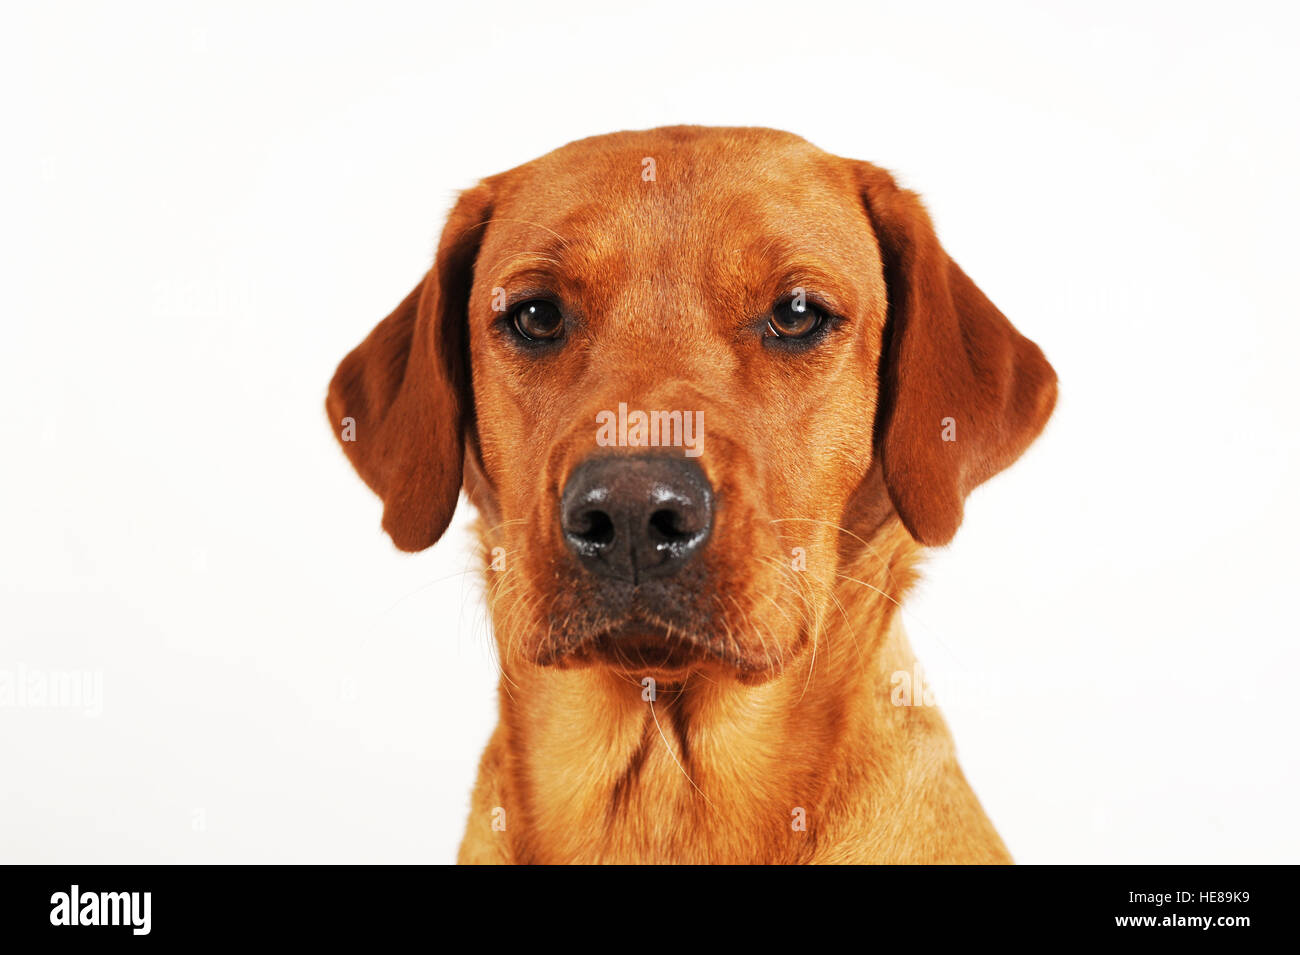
x=584 y=767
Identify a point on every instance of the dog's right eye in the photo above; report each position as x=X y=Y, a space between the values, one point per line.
x=538 y=320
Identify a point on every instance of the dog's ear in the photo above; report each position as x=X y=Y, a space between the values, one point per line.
x=400 y=401
x=962 y=393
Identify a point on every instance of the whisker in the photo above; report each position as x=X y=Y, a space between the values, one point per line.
x=668 y=746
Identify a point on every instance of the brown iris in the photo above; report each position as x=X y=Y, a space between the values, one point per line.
x=538 y=320
x=796 y=318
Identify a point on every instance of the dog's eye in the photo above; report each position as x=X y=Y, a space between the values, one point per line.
x=796 y=318
x=538 y=320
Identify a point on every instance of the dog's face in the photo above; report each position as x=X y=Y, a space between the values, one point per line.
x=739 y=296
x=684 y=370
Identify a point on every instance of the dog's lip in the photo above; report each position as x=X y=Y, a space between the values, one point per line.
x=636 y=645
x=639 y=645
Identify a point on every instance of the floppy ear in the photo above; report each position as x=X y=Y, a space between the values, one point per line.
x=400 y=402
x=962 y=393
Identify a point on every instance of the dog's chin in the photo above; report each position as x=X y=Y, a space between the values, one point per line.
x=666 y=655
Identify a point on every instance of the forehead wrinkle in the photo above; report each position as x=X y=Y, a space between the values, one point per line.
x=560 y=240
x=567 y=263
x=527 y=255
x=777 y=257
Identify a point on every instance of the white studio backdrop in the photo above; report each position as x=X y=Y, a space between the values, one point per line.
x=205 y=207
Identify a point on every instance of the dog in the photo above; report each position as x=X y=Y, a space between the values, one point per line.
x=698 y=632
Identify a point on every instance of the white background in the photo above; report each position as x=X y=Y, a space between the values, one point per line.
x=205 y=208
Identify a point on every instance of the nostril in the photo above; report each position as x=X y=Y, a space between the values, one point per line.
x=594 y=527
x=668 y=524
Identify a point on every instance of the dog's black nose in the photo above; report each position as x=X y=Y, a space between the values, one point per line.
x=636 y=517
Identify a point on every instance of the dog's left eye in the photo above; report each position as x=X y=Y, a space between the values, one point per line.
x=796 y=318
x=538 y=320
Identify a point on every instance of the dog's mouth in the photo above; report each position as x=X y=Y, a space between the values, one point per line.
x=640 y=647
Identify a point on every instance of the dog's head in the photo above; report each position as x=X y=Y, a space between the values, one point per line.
x=674 y=369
